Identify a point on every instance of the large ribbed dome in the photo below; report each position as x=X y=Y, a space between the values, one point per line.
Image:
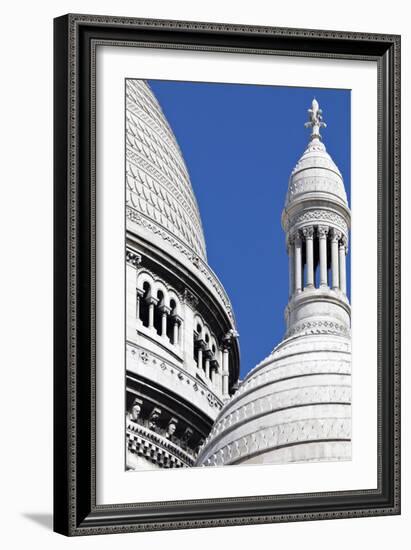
x=158 y=186
x=293 y=407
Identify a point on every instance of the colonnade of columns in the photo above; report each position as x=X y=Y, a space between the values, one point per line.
x=158 y=313
x=166 y=314
x=207 y=362
x=301 y=247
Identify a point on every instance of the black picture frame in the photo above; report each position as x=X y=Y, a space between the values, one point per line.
x=75 y=509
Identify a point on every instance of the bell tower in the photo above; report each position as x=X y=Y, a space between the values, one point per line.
x=316 y=220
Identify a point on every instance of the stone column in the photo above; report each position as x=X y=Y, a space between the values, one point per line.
x=140 y=294
x=207 y=364
x=151 y=303
x=298 y=264
x=186 y=331
x=322 y=234
x=201 y=346
x=291 y=267
x=215 y=375
x=309 y=252
x=342 y=252
x=164 y=312
x=225 y=372
x=335 y=237
x=175 y=331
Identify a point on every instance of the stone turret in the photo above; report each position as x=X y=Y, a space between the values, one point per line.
x=316 y=220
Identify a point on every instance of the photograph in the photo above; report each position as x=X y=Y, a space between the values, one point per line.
x=227 y=278
x=238 y=290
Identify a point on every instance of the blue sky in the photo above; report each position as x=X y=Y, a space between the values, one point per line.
x=240 y=143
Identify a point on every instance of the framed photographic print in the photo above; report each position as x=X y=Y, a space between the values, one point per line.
x=227 y=276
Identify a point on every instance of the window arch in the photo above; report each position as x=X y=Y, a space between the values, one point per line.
x=143 y=309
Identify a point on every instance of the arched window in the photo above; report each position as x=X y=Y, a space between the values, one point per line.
x=143 y=309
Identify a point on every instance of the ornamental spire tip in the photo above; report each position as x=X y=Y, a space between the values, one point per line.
x=316 y=120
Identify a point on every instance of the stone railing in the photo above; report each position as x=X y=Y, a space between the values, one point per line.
x=155 y=447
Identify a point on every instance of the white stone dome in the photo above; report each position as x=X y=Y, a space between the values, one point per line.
x=293 y=407
x=159 y=195
x=316 y=173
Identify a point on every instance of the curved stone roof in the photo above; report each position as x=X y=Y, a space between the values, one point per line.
x=294 y=406
x=316 y=172
x=157 y=182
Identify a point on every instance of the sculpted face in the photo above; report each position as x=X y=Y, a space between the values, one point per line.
x=171 y=429
x=135 y=411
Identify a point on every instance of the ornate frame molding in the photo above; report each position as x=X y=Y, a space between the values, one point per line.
x=76 y=38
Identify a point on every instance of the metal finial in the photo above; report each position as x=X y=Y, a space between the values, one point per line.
x=316 y=120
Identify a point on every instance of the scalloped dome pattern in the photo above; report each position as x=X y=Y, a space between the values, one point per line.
x=316 y=172
x=295 y=406
x=157 y=182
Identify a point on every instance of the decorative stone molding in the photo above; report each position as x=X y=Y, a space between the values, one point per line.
x=144 y=357
x=335 y=234
x=152 y=300
x=182 y=375
x=319 y=327
x=213 y=402
x=297 y=238
x=323 y=230
x=271 y=375
x=308 y=232
x=318 y=217
x=190 y=299
x=344 y=243
x=277 y=400
x=314 y=184
x=133 y=258
x=287 y=434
